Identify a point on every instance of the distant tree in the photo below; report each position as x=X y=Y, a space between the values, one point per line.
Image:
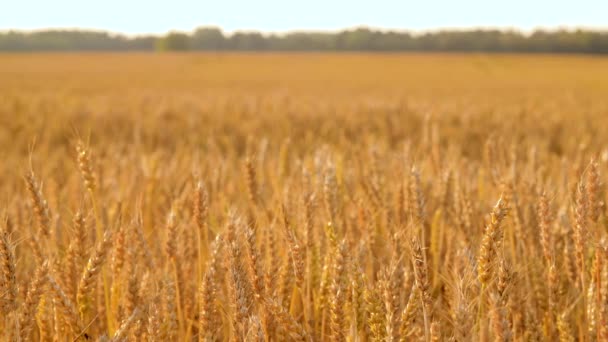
x=208 y=38
x=247 y=41
x=358 y=39
x=173 y=41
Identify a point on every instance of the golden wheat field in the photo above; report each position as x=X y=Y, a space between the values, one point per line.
x=303 y=197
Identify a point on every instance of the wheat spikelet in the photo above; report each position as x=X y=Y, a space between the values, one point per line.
x=122 y=333
x=255 y=332
x=77 y=251
x=338 y=293
x=132 y=295
x=119 y=251
x=461 y=307
x=254 y=261
x=41 y=208
x=86 y=167
x=66 y=307
x=170 y=318
x=154 y=327
x=201 y=212
x=422 y=283
x=389 y=283
x=34 y=293
x=252 y=183
x=241 y=298
x=593 y=195
x=208 y=321
x=491 y=242
x=8 y=266
x=565 y=334
x=416 y=197
x=435 y=332
x=580 y=233
x=544 y=222
x=409 y=313
x=286 y=322
x=43 y=317
x=500 y=324
x=357 y=300
x=90 y=274
x=171 y=237
x=330 y=193
x=296 y=250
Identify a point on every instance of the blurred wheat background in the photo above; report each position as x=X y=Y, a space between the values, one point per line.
x=303 y=197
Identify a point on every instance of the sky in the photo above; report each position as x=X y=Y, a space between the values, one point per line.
x=135 y=17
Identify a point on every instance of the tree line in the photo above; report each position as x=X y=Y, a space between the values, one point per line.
x=359 y=39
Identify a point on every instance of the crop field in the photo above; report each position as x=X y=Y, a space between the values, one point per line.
x=303 y=197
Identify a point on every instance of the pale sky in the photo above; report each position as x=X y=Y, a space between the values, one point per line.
x=143 y=17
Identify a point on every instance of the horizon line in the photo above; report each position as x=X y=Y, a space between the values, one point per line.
x=524 y=31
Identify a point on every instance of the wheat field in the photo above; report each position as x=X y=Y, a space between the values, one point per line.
x=303 y=197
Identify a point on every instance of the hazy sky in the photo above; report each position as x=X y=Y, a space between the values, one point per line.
x=138 y=17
